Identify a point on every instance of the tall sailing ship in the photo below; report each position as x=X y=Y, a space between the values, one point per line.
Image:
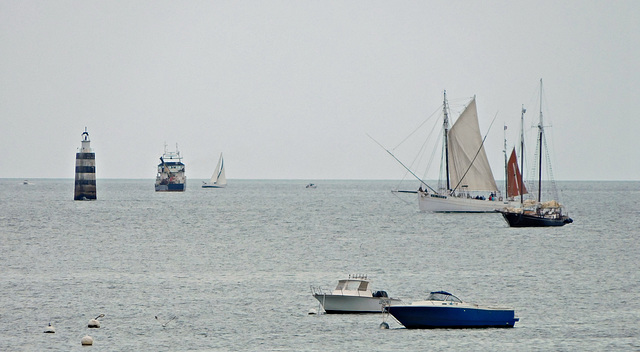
x=171 y=172
x=532 y=212
x=468 y=185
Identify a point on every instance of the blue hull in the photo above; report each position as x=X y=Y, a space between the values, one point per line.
x=433 y=317
x=172 y=187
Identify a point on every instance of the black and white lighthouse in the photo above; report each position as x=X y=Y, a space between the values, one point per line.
x=85 y=187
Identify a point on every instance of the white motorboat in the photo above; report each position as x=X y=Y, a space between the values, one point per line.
x=353 y=295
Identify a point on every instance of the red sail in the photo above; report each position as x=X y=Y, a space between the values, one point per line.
x=515 y=187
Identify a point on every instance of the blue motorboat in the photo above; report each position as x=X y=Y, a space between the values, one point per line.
x=443 y=310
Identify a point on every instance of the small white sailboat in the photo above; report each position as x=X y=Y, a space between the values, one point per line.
x=218 y=179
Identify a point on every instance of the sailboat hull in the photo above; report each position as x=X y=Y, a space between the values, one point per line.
x=436 y=203
x=533 y=220
x=206 y=185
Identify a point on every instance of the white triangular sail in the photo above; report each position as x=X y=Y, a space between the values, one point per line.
x=468 y=164
x=218 y=177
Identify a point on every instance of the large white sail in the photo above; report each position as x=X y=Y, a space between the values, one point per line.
x=218 y=177
x=468 y=164
x=222 y=178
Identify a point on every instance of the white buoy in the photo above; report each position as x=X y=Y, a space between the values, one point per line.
x=313 y=311
x=87 y=341
x=95 y=323
x=50 y=329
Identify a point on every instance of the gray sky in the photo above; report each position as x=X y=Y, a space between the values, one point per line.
x=289 y=89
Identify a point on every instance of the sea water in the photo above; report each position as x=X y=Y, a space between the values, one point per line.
x=234 y=267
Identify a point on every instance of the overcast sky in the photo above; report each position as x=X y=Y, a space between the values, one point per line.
x=290 y=89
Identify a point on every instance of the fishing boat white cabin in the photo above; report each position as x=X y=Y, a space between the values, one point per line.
x=218 y=179
x=353 y=295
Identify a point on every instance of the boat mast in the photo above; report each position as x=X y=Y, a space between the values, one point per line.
x=540 y=131
x=522 y=154
x=445 y=122
x=506 y=166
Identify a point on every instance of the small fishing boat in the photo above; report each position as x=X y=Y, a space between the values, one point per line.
x=441 y=309
x=171 y=172
x=311 y=185
x=353 y=295
x=218 y=179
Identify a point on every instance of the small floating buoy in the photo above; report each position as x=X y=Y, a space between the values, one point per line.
x=49 y=329
x=95 y=323
x=313 y=311
x=87 y=341
x=384 y=325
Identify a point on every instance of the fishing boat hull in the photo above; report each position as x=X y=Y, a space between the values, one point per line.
x=446 y=316
x=430 y=202
x=175 y=187
x=515 y=219
x=339 y=304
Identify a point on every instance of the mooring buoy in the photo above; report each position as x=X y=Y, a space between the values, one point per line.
x=49 y=329
x=87 y=341
x=95 y=323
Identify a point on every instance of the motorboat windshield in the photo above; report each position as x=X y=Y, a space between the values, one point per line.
x=443 y=296
x=352 y=285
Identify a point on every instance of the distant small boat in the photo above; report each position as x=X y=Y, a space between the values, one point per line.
x=441 y=309
x=25 y=182
x=218 y=179
x=353 y=295
x=311 y=185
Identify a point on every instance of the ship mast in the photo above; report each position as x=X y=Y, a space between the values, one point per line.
x=445 y=122
x=522 y=154
x=540 y=132
x=506 y=166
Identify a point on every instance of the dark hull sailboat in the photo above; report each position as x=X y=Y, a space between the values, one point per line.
x=515 y=219
x=531 y=213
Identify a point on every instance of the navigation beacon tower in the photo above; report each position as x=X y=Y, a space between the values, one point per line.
x=85 y=187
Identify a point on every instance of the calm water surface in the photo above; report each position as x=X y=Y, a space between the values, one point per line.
x=234 y=266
